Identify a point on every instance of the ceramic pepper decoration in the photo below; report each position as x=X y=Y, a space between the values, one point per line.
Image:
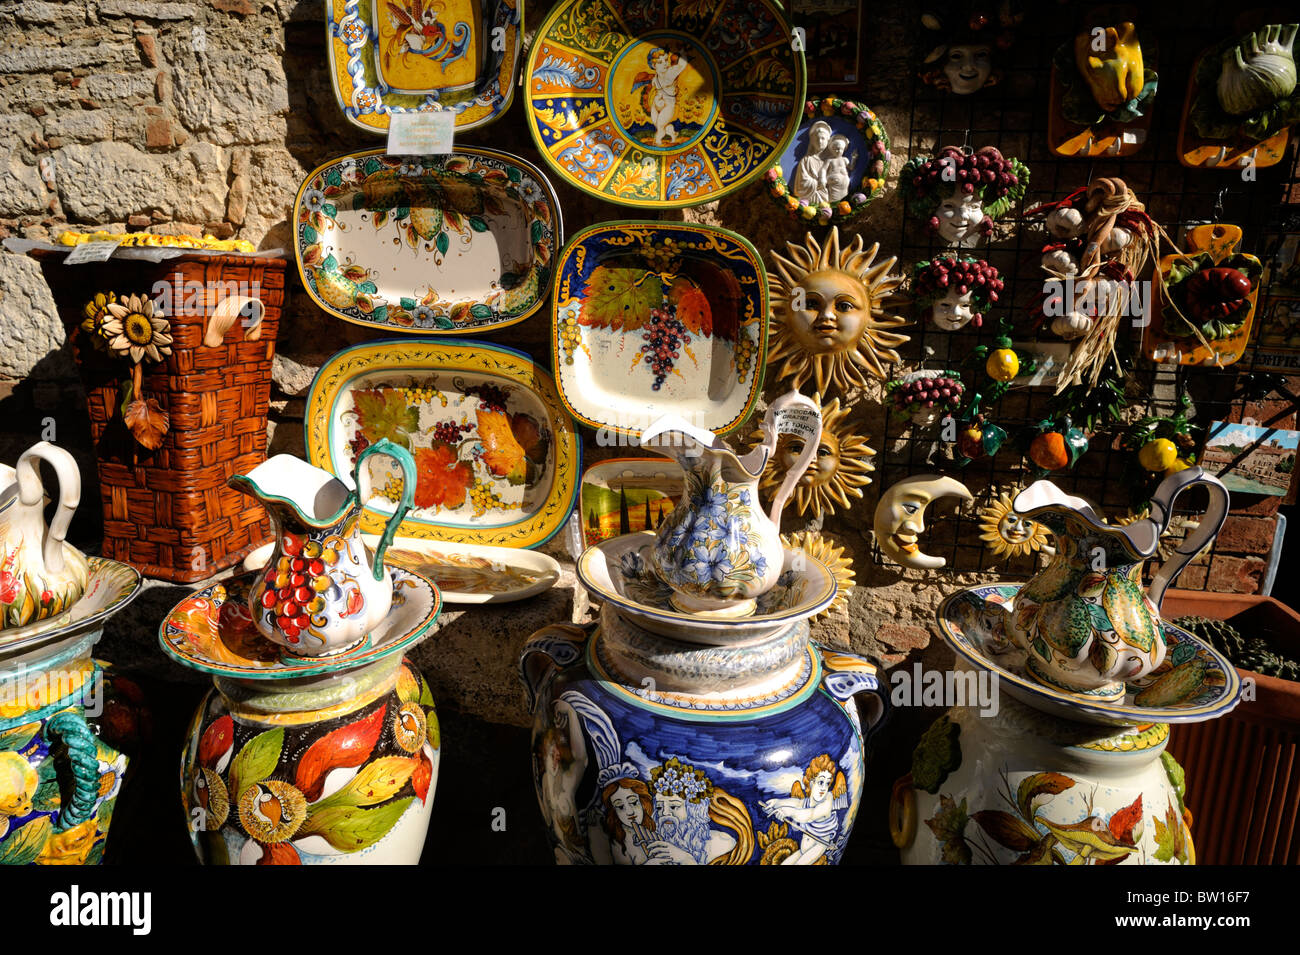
x=967 y=38
x=132 y=328
x=954 y=291
x=1102 y=93
x=959 y=192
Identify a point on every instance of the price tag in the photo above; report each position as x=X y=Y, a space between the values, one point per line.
x=91 y=252
x=421 y=134
x=577 y=540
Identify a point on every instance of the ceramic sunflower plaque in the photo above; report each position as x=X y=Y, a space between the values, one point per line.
x=664 y=105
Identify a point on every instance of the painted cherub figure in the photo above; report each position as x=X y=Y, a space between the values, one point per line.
x=660 y=95
x=811 y=808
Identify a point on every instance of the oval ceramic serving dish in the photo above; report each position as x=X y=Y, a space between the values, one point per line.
x=455 y=244
x=414 y=56
x=496 y=453
x=625 y=495
x=664 y=105
x=653 y=318
x=971 y=621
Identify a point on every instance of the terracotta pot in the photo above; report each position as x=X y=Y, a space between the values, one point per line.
x=1243 y=769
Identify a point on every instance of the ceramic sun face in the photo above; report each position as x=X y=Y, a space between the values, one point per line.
x=1008 y=534
x=828 y=317
x=839 y=470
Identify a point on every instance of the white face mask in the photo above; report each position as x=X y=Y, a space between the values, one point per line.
x=953 y=311
x=968 y=67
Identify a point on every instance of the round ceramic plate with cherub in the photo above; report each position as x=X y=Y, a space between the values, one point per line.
x=664 y=105
x=1194 y=683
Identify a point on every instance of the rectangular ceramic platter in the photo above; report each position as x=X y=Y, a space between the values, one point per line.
x=626 y=495
x=496 y=456
x=402 y=56
x=420 y=244
x=616 y=282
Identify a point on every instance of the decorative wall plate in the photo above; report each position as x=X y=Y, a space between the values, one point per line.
x=212 y=631
x=625 y=495
x=110 y=586
x=618 y=571
x=416 y=56
x=497 y=456
x=653 y=318
x=463 y=573
x=835 y=165
x=971 y=621
x=664 y=105
x=456 y=243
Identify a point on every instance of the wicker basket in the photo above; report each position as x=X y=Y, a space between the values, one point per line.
x=169 y=512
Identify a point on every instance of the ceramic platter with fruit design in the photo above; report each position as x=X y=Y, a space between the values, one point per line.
x=416 y=56
x=212 y=631
x=427 y=244
x=652 y=318
x=1205 y=686
x=626 y=495
x=661 y=104
x=497 y=455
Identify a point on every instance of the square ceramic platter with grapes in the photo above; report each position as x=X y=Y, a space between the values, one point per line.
x=658 y=318
x=497 y=456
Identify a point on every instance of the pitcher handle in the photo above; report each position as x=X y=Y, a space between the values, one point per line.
x=559 y=645
x=846 y=674
x=1162 y=508
x=792 y=413
x=407 y=463
x=77 y=736
x=31 y=493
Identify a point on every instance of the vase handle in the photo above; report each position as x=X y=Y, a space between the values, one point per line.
x=1162 y=508
x=902 y=812
x=844 y=675
x=407 y=464
x=31 y=493
x=82 y=752
x=556 y=646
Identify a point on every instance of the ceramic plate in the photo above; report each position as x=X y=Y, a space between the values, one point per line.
x=456 y=244
x=625 y=495
x=110 y=587
x=972 y=623
x=664 y=104
x=464 y=573
x=701 y=289
x=415 y=56
x=617 y=572
x=497 y=455
x=212 y=631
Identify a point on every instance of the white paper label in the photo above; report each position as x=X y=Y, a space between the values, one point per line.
x=91 y=252
x=577 y=540
x=421 y=134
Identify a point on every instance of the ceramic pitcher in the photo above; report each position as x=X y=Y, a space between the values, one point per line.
x=1084 y=620
x=717 y=550
x=321 y=593
x=41 y=574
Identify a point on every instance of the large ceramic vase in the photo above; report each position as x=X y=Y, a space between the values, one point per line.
x=59 y=781
x=336 y=768
x=650 y=751
x=1024 y=787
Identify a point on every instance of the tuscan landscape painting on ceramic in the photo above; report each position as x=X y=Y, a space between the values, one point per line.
x=1249 y=459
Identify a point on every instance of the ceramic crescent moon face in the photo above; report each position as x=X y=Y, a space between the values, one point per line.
x=900 y=517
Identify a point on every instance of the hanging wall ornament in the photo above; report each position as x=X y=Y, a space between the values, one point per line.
x=828 y=314
x=958 y=193
x=1158 y=447
x=1008 y=534
x=835 y=165
x=926 y=395
x=1054 y=445
x=1103 y=89
x=1001 y=363
x=900 y=517
x=977 y=437
x=839 y=470
x=831 y=554
x=954 y=291
x=964 y=40
x=1241 y=101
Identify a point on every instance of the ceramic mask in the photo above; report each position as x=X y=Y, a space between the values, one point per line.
x=900 y=517
x=959 y=217
x=717 y=550
x=41 y=575
x=1084 y=620
x=321 y=593
x=967 y=67
x=953 y=311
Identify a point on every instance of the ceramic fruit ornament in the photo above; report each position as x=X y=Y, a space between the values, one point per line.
x=900 y=517
x=1205 y=315
x=964 y=41
x=1085 y=621
x=926 y=395
x=835 y=165
x=977 y=437
x=1054 y=444
x=1008 y=534
x=1158 y=447
x=41 y=574
x=959 y=192
x=954 y=291
x=837 y=473
x=1103 y=91
x=1241 y=101
x=999 y=364
x=321 y=593
x=829 y=322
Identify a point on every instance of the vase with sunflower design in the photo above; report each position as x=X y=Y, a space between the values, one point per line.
x=334 y=769
x=59 y=781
